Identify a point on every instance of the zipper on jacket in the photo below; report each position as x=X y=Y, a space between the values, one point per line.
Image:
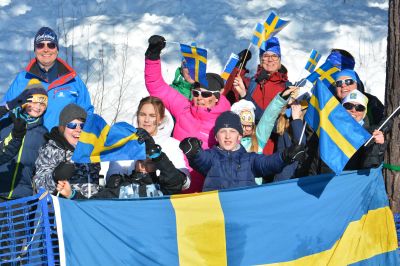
x=16 y=169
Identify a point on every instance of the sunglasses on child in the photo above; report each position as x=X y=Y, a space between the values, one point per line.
x=357 y=107
x=348 y=82
x=72 y=125
x=204 y=94
x=50 y=45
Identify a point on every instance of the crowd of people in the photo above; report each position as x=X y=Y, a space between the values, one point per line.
x=198 y=137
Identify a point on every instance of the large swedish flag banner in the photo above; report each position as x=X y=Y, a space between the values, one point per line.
x=319 y=220
x=99 y=142
x=340 y=135
x=196 y=62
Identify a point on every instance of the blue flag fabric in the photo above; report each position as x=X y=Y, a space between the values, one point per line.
x=99 y=142
x=196 y=62
x=312 y=61
x=272 y=25
x=326 y=73
x=340 y=135
x=230 y=65
x=318 y=220
x=258 y=35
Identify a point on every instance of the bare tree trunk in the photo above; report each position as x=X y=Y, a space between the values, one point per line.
x=392 y=101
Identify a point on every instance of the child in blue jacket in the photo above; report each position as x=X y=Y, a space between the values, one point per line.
x=228 y=164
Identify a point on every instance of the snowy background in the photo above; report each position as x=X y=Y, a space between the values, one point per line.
x=105 y=41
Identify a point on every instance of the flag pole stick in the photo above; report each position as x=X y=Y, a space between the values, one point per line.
x=172 y=42
x=245 y=56
x=384 y=123
x=302 y=132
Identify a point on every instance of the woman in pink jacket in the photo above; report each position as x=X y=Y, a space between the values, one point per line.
x=195 y=118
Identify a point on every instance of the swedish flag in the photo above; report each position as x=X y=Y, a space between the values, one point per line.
x=312 y=61
x=230 y=65
x=272 y=25
x=317 y=220
x=325 y=73
x=99 y=142
x=340 y=136
x=258 y=37
x=196 y=62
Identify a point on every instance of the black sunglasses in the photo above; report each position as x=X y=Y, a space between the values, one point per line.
x=348 y=82
x=72 y=125
x=357 y=107
x=204 y=94
x=50 y=45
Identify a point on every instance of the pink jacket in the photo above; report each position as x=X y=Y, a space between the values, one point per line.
x=191 y=121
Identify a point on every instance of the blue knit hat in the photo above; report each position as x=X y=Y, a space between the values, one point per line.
x=45 y=34
x=347 y=73
x=228 y=119
x=271 y=45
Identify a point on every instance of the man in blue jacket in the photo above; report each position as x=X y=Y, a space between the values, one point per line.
x=228 y=165
x=61 y=82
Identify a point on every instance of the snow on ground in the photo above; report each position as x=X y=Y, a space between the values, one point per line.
x=105 y=41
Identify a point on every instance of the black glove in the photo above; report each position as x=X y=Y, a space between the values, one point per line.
x=287 y=87
x=293 y=153
x=23 y=98
x=63 y=171
x=152 y=149
x=243 y=59
x=19 y=129
x=114 y=181
x=190 y=146
x=156 y=44
x=262 y=76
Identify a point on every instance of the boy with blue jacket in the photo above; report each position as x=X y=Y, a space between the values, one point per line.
x=228 y=164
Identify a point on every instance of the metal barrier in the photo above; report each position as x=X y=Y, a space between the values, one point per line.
x=28 y=231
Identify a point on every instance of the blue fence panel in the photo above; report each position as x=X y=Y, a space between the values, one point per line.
x=28 y=231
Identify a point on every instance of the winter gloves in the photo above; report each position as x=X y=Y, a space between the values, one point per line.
x=156 y=44
x=190 y=146
x=19 y=129
x=152 y=149
x=63 y=171
x=293 y=153
x=23 y=98
x=242 y=59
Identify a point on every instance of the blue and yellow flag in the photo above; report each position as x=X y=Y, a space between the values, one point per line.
x=99 y=142
x=340 y=135
x=230 y=65
x=272 y=25
x=318 y=220
x=312 y=61
x=258 y=35
x=196 y=62
x=326 y=73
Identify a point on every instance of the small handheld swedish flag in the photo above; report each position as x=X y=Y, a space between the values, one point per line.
x=258 y=37
x=325 y=73
x=99 y=142
x=313 y=61
x=230 y=65
x=272 y=25
x=196 y=62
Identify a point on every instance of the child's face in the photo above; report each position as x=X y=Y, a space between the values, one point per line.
x=228 y=138
x=35 y=109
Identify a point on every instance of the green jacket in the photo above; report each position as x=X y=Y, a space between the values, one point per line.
x=181 y=85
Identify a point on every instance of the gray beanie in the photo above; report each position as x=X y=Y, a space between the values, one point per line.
x=71 y=112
